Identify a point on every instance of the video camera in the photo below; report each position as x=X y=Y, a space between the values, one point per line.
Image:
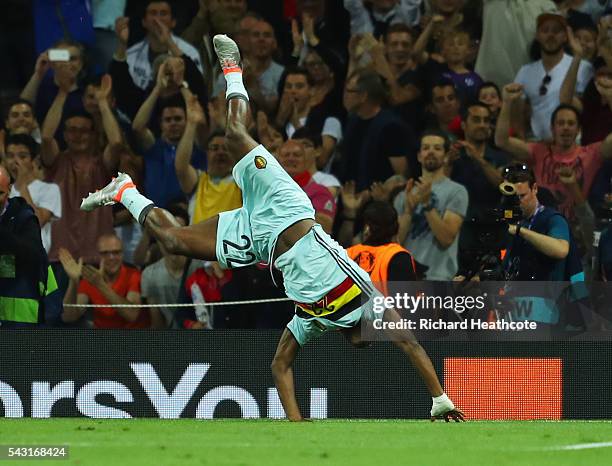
x=488 y=236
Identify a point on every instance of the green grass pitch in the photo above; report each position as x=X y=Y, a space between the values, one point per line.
x=325 y=442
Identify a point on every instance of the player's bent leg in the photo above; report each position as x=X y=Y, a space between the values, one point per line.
x=282 y=372
x=197 y=241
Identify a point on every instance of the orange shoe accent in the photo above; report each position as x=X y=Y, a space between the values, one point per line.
x=123 y=188
x=233 y=69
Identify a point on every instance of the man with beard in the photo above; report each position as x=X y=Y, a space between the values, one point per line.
x=431 y=211
x=476 y=165
x=542 y=79
x=549 y=158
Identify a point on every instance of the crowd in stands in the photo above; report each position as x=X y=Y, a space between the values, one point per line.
x=419 y=104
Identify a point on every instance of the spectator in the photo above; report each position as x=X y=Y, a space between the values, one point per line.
x=159 y=22
x=161 y=281
x=542 y=79
x=585 y=31
x=326 y=70
x=111 y=282
x=43 y=198
x=395 y=64
x=42 y=90
x=295 y=111
x=292 y=158
x=376 y=17
x=179 y=70
x=330 y=24
x=548 y=157
x=79 y=170
x=475 y=163
x=212 y=190
x=490 y=95
x=445 y=109
x=596 y=103
x=23 y=262
x=431 y=211
x=19 y=120
x=313 y=146
x=504 y=46
x=207 y=284
x=161 y=182
x=378 y=143
x=456 y=52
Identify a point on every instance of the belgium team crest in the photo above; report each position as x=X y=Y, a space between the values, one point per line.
x=260 y=162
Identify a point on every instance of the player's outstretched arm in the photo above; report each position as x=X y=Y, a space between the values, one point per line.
x=282 y=372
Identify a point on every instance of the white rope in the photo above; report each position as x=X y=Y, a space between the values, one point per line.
x=222 y=303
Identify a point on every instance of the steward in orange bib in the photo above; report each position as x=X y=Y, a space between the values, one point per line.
x=385 y=260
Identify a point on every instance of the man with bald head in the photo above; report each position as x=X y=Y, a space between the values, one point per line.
x=23 y=261
x=292 y=157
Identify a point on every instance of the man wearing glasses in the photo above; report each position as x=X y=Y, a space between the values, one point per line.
x=542 y=79
x=111 y=282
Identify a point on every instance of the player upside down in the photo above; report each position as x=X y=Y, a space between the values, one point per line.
x=276 y=225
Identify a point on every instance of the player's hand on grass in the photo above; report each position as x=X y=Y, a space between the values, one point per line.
x=455 y=414
x=443 y=408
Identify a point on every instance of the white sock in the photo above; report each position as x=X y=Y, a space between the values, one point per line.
x=136 y=204
x=235 y=86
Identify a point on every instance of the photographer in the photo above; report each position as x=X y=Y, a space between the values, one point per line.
x=542 y=248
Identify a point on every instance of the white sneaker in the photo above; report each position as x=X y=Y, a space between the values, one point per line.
x=109 y=194
x=227 y=52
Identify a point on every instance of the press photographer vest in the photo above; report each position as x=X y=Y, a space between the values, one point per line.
x=375 y=260
x=22 y=292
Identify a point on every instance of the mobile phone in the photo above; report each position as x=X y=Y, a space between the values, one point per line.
x=59 y=55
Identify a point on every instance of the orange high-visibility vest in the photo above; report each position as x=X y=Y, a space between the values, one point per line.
x=375 y=260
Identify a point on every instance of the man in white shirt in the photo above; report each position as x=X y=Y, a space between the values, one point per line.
x=542 y=79
x=159 y=22
x=44 y=198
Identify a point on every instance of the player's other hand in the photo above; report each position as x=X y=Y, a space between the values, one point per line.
x=454 y=414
